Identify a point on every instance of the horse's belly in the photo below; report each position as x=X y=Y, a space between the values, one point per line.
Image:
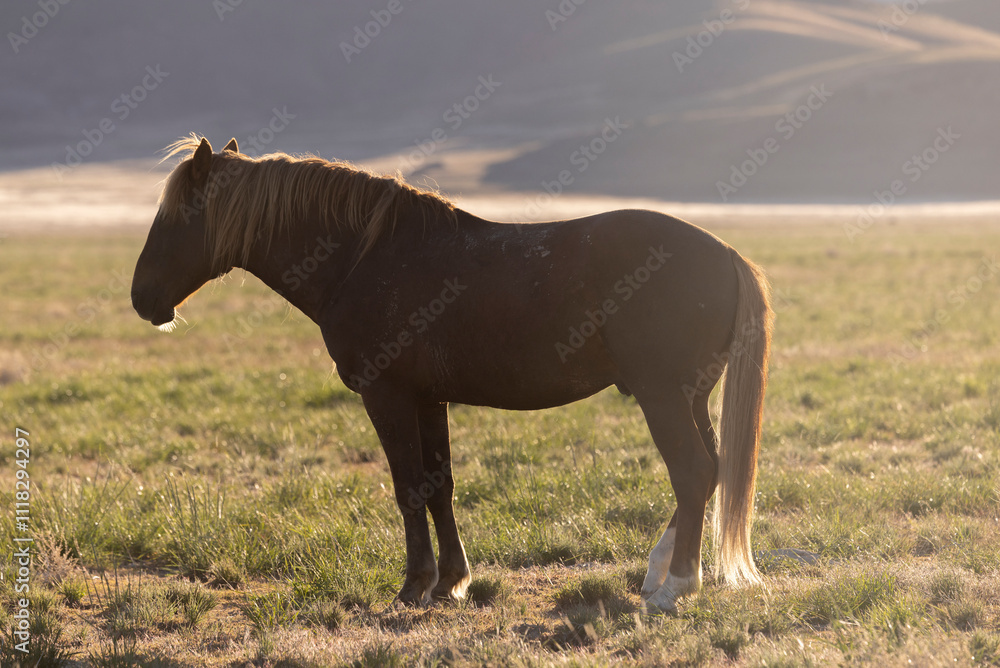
x=527 y=396
x=507 y=380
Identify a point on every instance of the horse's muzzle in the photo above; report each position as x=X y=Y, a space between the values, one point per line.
x=151 y=309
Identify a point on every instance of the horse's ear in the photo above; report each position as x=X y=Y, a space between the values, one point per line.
x=232 y=146
x=201 y=163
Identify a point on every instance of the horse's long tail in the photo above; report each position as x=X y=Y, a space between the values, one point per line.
x=742 y=407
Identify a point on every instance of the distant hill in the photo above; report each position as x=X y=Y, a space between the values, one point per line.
x=704 y=90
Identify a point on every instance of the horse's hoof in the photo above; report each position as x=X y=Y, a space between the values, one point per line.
x=647 y=592
x=658 y=607
x=408 y=601
x=661 y=602
x=664 y=599
x=452 y=588
x=413 y=595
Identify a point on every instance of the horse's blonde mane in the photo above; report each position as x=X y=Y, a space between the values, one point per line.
x=246 y=200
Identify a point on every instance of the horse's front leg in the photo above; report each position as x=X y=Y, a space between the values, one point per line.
x=394 y=415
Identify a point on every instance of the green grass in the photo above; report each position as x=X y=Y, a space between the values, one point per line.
x=487 y=590
x=223 y=484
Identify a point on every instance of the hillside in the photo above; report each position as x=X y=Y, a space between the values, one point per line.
x=700 y=88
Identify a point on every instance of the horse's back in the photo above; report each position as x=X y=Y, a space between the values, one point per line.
x=621 y=289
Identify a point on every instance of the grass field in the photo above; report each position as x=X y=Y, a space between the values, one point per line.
x=216 y=496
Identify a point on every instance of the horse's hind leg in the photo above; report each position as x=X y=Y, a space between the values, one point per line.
x=692 y=471
x=659 y=558
x=453 y=568
x=702 y=418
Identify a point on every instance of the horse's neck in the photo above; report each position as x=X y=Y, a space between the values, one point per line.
x=301 y=265
x=307 y=264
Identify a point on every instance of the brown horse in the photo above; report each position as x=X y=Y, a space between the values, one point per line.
x=422 y=304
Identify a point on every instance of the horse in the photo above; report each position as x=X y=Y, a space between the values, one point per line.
x=421 y=304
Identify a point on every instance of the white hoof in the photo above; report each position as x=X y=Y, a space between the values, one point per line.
x=664 y=600
x=658 y=604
